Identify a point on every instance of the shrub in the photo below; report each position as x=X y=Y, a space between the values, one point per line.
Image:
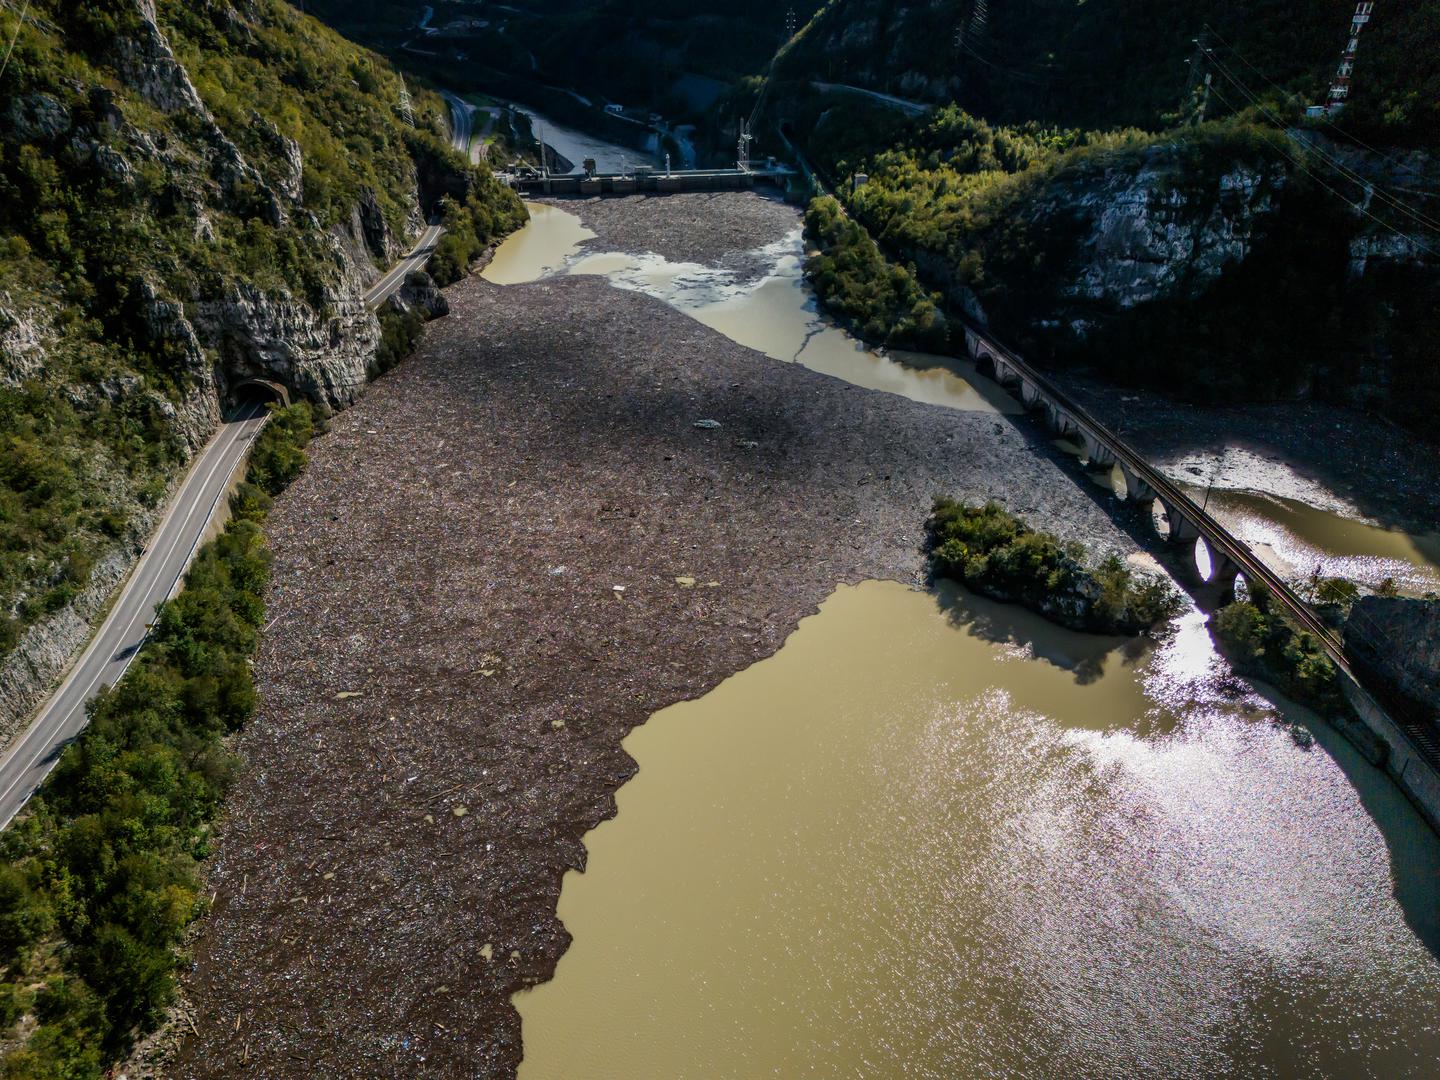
x=399 y=333
x=994 y=552
x=105 y=855
x=279 y=451
x=882 y=302
x=1264 y=643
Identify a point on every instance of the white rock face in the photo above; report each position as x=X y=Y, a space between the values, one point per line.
x=25 y=336
x=1152 y=239
x=148 y=64
x=322 y=356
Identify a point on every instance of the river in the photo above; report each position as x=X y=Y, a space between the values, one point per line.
x=1292 y=522
x=935 y=836
x=938 y=837
x=776 y=315
x=576 y=146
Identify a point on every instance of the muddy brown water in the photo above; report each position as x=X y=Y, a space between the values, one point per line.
x=939 y=837
x=935 y=836
x=775 y=315
x=1297 y=539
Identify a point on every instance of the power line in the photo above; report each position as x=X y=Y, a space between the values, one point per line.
x=1326 y=118
x=1350 y=174
x=1016 y=72
x=15 y=37
x=1420 y=219
x=1299 y=164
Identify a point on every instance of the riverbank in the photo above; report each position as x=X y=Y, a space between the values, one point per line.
x=513 y=550
x=1327 y=456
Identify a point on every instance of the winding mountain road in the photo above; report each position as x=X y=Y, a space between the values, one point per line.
x=419 y=255
x=156 y=576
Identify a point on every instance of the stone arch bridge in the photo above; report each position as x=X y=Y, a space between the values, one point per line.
x=1404 y=747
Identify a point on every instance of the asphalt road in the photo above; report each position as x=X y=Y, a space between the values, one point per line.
x=909 y=108
x=419 y=255
x=460 y=126
x=156 y=576
x=29 y=759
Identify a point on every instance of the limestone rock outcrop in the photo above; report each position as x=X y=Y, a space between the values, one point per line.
x=420 y=293
x=1151 y=237
x=321 y=355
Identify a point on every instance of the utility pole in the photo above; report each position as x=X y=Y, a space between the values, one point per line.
x=790 y=25
x=742 y=148
x=1197 y=63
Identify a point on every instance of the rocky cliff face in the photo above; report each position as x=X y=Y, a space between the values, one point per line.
x=214 y=327
x=1151 y=238
x=321 y=355
x=320 y=351
x=1398 y=641
x=1146 y=228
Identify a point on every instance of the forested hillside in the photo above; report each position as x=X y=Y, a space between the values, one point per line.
x=674 y=58
x=189 y=195
x=1109 y=63
x=1256 y=254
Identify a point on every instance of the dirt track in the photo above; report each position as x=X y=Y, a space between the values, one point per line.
x=452 y=663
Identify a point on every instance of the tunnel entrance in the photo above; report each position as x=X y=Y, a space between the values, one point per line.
x=251 y=395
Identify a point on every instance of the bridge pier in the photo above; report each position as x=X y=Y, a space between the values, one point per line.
x=1060 y=421
x=1002 y=372
x=1096 y=452
x=1181 y=527
x=1136 y=490
x=984 y=361
x=1222 y=569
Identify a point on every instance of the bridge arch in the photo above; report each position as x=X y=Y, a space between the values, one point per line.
x=1214 y=566
x=1096 y=452
x=1136 y=490
x=986 y=364
x=1169 y=523
x=1240 y=588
